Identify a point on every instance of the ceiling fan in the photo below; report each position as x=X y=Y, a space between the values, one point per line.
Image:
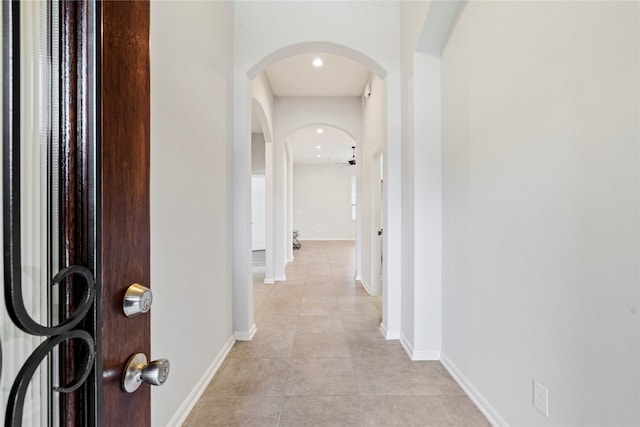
x=352 y=160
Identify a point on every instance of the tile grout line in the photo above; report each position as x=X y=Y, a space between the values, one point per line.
x=446 y=412
x=280 y=410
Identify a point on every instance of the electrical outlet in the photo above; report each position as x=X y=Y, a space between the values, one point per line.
x=541 y=397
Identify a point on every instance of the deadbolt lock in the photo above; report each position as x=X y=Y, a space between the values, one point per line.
x=137 y=300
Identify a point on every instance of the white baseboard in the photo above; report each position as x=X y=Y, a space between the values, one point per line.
x=269 y=281
x=483 y=404
x=366 y=286
x=290 y=259
x=417 y=355
x=246 y=335
x=280 y=278
x=425 y=355
x=406 y=345
x=183 y=411
x=389 y=335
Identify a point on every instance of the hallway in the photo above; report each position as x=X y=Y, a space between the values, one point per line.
x=319 y=359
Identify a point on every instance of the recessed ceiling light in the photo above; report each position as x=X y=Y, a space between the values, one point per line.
x=318 y=155
x=317 y=62
x=318 y=146
x=319 y=130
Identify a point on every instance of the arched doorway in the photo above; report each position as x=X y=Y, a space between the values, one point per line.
x=321 y=206
x=243 y=304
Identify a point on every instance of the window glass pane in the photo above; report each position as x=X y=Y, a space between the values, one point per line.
x=35 y=131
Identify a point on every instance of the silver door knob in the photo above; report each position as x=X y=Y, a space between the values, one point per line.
x=137 y=300
x=138 y=371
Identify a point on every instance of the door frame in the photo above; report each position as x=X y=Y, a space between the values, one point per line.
x=376 y=220
x=104 y=99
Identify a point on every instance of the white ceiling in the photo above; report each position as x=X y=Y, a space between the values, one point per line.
x=296 y=76
x=335 y=146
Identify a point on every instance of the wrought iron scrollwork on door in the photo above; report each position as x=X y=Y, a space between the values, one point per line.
x=56 y=334
x=79 y=326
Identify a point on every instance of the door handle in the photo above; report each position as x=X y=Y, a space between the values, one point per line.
x=138 y=371
x=137 y=300
x=380 y=232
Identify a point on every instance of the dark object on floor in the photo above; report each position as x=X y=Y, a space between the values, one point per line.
x=296 y=242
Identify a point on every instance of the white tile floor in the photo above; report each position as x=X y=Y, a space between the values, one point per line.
x=318 y=359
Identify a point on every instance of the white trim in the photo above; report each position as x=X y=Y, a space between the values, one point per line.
x=269 y=281
x=280 y=278
x=290 y=259
x=425 y=355
x=246 y=336
x=415 y=354
x=366 y=286
x=183 y=411
x=389 y=335
x=408 y=347
x=483 y=404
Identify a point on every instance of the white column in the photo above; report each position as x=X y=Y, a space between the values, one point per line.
x=289 y=229
x=243 y=324
x=279 y=208
x=269 y=193
x=427 y=158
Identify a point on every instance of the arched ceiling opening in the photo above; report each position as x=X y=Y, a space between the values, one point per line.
x=316 y=47
x=336 y=76
x=332 y=146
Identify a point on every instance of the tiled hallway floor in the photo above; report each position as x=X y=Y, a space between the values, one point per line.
x=318 y=359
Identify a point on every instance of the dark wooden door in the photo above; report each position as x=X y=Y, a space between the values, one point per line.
x=99 y=141
x=125 y=201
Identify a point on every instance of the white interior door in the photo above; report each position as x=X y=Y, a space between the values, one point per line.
x=258 y=212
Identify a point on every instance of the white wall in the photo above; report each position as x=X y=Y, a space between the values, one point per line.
x=322 y=202
x=541 y=208
x=258 y=211
x=257 y=154
x=413 y=17
x=296 y=112
x=355 y=30
x=190 y=196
